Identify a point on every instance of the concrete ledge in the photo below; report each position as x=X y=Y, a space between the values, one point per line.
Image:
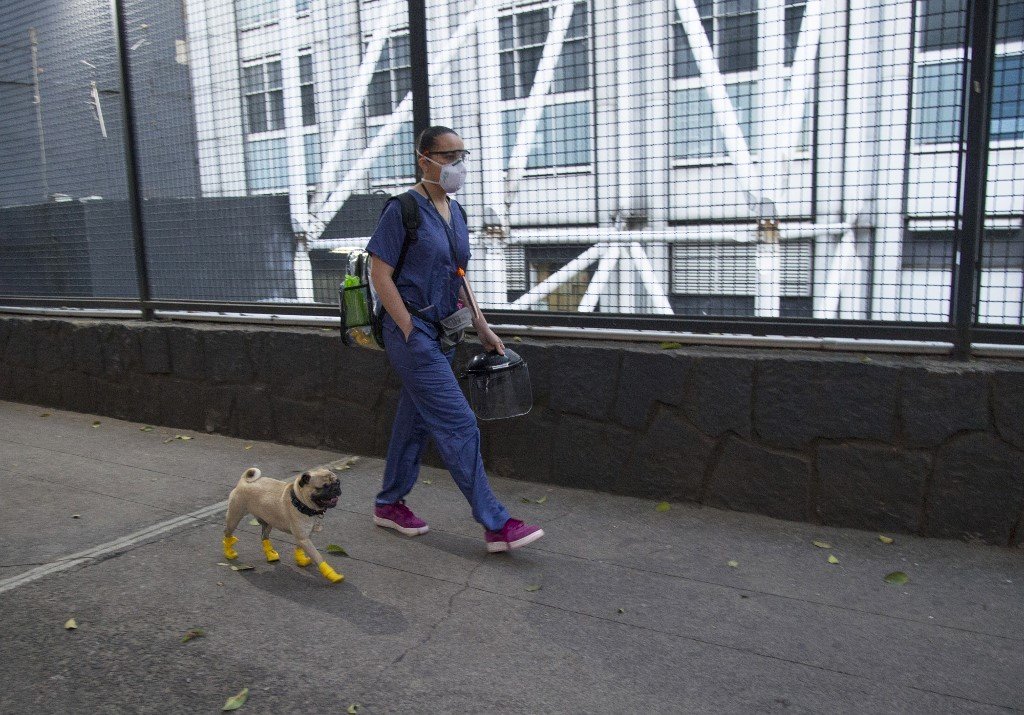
x=891 y=443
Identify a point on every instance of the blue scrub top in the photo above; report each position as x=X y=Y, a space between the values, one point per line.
x=428 y=280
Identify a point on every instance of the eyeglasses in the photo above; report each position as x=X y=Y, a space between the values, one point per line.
x=451 y=156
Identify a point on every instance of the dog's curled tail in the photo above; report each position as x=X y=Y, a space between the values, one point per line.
x=250 y=475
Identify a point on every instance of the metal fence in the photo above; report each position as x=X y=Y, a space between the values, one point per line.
x=763 y=167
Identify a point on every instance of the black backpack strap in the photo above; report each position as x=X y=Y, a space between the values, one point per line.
x=411 y=221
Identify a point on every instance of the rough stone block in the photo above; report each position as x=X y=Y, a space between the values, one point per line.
x=20 y=350
x=646 y=378
x=751 y=478
x=669 y=460
x=350 y=427
x=871 y=487
x=354 y=375
x=583 y=381
x=252 y=416
x=298 y=422
x=86 y=349
x=589 y=455
x=719 y=393
x=935 y=405
x=799 y=400
x=54 y=353
x=155 y=351
x=81 y=392
x=978 y=490
x=520 y=448
x=121 y=352
x=227 y=354
x=290 y=361
x=1008 y=406
x=186 y=346
x=5 y=333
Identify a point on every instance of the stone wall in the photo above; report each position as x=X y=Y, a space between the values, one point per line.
x=890 y=443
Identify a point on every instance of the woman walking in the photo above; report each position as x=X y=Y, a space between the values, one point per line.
x=431 y=405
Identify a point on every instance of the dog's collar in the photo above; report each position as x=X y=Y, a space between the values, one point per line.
x=302 y=507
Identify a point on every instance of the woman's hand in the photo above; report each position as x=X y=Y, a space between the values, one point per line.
x=406 y=329
x=489 y=340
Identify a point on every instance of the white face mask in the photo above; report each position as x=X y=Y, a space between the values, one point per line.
x=452 y=175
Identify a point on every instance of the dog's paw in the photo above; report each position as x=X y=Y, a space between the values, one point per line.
x=301 y=559
x=229 y=553
x=268 y=549
x=329 y=573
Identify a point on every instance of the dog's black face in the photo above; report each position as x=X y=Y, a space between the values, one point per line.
x=326 y=497
x=322 y=487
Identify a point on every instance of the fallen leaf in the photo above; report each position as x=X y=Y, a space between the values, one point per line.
x=193 y=633
x=517 y=339
x=822 y=544
x=335 y=549
x=663 y=506
x=428 y=481
x=248 y=446
x=542 y=499
x=220 y=583
x=45 y=414
x=897 y=578
x=97 y=423
x=147 y=428
x=236 y=701
x=253 y=522
x=182 y=437
x=622 y=610
x=534 y=587
x=71 y=624
x=221 y=563
x=733 y=564
x=885 y=539
x=671 y=346
x=832 y=559
x=353 y=708
x=76 y=516
x=524 y=500
x=243 y=567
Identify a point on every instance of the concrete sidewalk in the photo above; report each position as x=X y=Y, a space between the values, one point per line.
x=637 y=610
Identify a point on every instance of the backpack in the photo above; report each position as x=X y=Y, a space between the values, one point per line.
x=362 y=313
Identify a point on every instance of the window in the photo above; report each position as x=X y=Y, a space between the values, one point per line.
x=306 y=88
x=522 y=39
x=794 y=19
x=731 y=29
x=254 y=13
x=695 y=133
x=264 y=97
x=563 y=136
x=934 y=250
x=266 y=149
x=938 y=81
x=397 y=162
x=392 y=79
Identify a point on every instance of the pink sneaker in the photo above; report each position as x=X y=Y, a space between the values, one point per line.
x=511 y=536
x=399 y=517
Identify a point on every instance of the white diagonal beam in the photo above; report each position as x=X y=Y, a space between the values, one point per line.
x=801 y=79
x=598 y=287
x=354 y=176
x=560 y=277
x=332 y=157
x=714 y=84
x=296 y=149
x=526 y=131
x=649 y=279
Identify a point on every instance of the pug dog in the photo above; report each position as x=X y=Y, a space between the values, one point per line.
x=295 y=507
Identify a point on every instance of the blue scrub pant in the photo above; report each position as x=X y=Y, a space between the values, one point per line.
x=432 y=405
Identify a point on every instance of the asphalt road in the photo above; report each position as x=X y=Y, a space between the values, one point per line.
x=621 y=608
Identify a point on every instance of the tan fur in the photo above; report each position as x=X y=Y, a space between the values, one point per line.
x=269 y=500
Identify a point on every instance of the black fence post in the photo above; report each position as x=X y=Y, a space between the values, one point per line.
x=981 y=25
x=131 y=164
x=420 y=73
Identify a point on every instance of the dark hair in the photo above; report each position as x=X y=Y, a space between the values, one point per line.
x=428 y=137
